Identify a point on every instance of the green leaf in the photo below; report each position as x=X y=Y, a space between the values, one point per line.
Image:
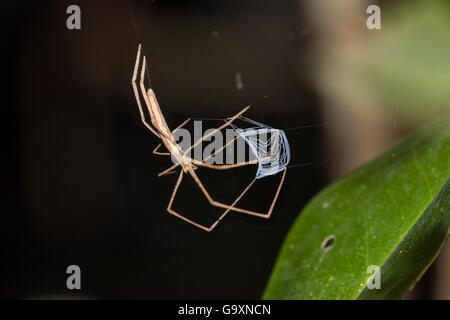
x=392 y=213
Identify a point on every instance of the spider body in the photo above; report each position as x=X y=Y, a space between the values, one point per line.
x=188 y=165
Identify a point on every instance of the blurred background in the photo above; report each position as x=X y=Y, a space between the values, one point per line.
x=81 y=176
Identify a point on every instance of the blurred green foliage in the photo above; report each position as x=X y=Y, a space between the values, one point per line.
x=403 y=68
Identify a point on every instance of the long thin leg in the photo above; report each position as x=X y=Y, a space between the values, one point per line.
x=163 y=173
x=233 y=208
x=269 y=212
x=227 y=166
x=136 y=93
x=232 y=205
x=218 y=204
x=181 y=125
x=224 y=147
x=155 y=151
x=143 y=91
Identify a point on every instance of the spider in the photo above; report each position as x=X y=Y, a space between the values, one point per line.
x=188 y=165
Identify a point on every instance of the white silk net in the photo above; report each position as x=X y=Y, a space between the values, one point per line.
x=268 y=145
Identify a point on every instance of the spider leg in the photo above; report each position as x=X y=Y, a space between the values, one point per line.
x=219 y=204
x=172 y=197
x=227 y=166
x=162 y=173
x=181 y=125
x=215 y=223
x=155 y=151
x=236 y=209
x=136 y=93
x=169 y=172
x=267 y=214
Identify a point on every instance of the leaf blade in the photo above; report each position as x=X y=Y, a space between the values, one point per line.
x=370 y=212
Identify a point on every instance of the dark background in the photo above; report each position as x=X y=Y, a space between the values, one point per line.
x=81 y=177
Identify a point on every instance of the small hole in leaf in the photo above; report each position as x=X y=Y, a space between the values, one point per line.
x=328 y=242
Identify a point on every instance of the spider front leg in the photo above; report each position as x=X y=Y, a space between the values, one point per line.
x=136 y=92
